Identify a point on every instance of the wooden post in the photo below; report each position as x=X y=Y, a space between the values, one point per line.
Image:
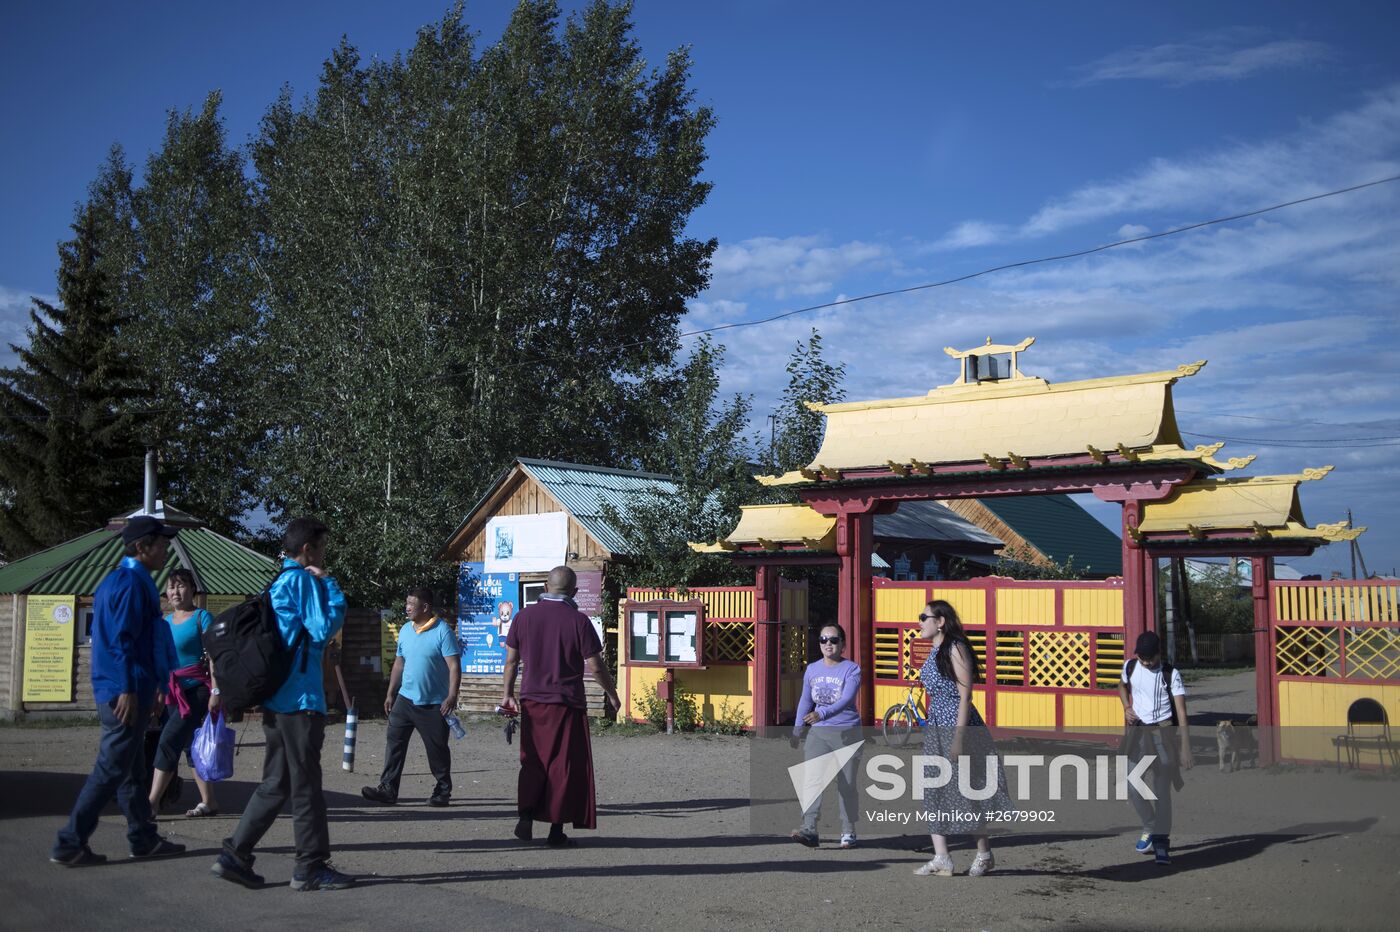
x=766 y=653
x=855 y=542
x=1264 y=675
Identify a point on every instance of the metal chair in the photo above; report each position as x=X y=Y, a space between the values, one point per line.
x=1368 y=727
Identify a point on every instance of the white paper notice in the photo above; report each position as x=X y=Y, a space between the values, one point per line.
x=653 y=644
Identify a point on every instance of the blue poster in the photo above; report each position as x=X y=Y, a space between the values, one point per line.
x=485 y=608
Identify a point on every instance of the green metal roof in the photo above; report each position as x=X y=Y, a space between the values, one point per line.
x=75 y=567
x=583 y=490
x=1060 y=528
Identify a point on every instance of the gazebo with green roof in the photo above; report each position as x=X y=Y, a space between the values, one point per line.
x=67 y=574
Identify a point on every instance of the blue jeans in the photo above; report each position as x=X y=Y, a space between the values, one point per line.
x=120 y=771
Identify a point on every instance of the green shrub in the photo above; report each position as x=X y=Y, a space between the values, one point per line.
x=687 y=709
x=729 y=719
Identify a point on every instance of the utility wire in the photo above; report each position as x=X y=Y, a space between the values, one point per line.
x=1350 y=442
x=1002 y=268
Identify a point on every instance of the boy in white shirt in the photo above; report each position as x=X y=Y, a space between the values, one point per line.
x=1154 y=702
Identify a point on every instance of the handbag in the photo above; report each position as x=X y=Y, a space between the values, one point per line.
x=212 y=748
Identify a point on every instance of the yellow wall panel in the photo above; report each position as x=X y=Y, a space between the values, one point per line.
x=1097 y=607
x=970 y=604
x=1024 y=710
x=1093 y=713
x=1025 y=606
x=899 y=604
x=713 y=687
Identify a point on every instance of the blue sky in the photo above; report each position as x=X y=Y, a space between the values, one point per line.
x=863 y=147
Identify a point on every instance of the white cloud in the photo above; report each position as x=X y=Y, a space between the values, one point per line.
x=1133 y=231
x=15 y=305
x=792 y=266
x=1216 y=57
x=1351 y=147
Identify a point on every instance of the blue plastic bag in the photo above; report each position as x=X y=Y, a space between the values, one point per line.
x=212 y=748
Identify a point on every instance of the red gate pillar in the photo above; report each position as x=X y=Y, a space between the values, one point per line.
x=1136 y=578
x=1262 y=572
x=855 y=544
x=766 y=656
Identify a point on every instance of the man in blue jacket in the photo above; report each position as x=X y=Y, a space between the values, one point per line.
x=131 y=657
x=294 y=722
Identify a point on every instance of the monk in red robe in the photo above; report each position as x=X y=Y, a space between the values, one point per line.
x=557 y=644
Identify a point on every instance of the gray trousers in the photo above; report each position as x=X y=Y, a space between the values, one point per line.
x=823 y=739
x=1156 y=816
x=404 y=719
x=291 y=771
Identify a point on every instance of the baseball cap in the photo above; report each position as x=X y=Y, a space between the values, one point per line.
x=143 y=525
x=1148 y=644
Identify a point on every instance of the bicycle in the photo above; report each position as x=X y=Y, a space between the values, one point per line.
x=900 y=720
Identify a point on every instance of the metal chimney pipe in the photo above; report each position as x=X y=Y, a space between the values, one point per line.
x=149 y=506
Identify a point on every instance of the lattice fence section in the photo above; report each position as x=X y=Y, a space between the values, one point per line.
x=1308 y=650
x=1373 y=653
x=1011 y=658
x=1108 y=666
x=729 y=641
x=1060 y=659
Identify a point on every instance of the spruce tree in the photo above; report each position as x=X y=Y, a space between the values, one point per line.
x=70 y=411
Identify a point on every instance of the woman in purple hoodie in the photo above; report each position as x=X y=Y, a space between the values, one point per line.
x=828 y=705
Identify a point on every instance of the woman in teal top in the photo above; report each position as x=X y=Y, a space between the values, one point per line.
x=201 y=693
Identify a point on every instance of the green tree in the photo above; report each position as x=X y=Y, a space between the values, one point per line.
x=70 y=418
x=700 y=443
x=797 y=428
x=466 y=259
x=179 y=257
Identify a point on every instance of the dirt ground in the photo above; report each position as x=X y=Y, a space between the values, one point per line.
x=674 y=848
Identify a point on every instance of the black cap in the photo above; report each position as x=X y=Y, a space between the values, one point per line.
x=1148 y=644
x=143 y=525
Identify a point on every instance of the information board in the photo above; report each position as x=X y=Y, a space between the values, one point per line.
x=48 y=648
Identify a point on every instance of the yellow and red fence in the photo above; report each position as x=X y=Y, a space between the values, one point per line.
x=1331 y=644
x=1051 y=652
x=726 y=677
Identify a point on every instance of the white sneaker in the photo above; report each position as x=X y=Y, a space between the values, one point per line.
x=940 y=866
x=981 y=864
x=848 y=840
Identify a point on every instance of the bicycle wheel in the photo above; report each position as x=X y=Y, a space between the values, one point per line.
x=898 y=725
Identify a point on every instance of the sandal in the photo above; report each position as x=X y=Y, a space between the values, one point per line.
x=940 y=866
x=201 y=811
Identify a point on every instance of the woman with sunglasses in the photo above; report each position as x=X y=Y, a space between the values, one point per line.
x=828 y=705
x=955 y=731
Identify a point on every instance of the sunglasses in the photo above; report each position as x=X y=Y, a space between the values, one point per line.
x=923 y=617
x=830 y=639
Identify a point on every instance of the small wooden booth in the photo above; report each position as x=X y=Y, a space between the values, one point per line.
x=46 y=605
x=537 y=515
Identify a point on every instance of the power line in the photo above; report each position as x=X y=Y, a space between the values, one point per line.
x=1002 y=268
x=1352 y=442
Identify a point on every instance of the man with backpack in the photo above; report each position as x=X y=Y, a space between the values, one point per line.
x=131 y=657
x=1154 y=709
x=309 y=609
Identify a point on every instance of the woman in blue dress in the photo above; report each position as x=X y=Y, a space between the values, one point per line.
x=955 y=731
x=199 y=691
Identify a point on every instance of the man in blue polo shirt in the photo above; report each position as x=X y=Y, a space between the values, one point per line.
x=422 y=690
x=131 y=658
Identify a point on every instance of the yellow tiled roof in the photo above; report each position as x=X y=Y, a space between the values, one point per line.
x=1022 y=416
x=1266 y=505
x=770 y=525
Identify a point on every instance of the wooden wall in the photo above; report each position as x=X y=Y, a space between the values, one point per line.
x=970 y=509
x=9 y=687
x=521 y=495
